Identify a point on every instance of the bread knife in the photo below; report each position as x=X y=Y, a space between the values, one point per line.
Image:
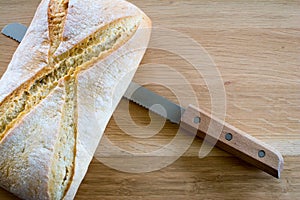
x=195 y=120
x=15 y=31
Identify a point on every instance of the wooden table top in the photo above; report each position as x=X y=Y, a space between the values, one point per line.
x=253 y=49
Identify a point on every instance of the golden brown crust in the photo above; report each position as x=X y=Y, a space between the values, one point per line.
x=57 y=13
x=64 y=65
x=26 y=153
x=62 y=162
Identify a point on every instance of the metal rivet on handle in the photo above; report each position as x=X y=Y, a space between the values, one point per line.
x=197 y=120
x=261 y=153
x=228 y=136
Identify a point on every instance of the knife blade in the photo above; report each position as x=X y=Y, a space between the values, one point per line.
x=232 y=140
x=194 y=119
x=15 y=31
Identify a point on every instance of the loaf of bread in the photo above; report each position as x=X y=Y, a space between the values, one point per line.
x=60 y=90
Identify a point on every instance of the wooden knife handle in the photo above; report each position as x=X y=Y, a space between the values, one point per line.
x=233 y=140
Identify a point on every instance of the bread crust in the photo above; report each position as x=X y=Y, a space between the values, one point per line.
x=96 y=108
x=100 y=84
x=27 y=150
x=34 y=54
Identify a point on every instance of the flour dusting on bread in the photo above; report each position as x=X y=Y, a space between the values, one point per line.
x=84 y=37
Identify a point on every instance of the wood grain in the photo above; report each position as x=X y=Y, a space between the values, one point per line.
x=232 y=140
x=255 y=46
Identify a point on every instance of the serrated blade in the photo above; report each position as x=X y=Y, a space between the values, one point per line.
x=135 y=92
x=15 y=31
x=148 y=99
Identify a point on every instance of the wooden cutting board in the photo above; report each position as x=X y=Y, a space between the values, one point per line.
x=255 y=47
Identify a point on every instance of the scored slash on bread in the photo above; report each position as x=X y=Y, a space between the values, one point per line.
x=75 y=61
